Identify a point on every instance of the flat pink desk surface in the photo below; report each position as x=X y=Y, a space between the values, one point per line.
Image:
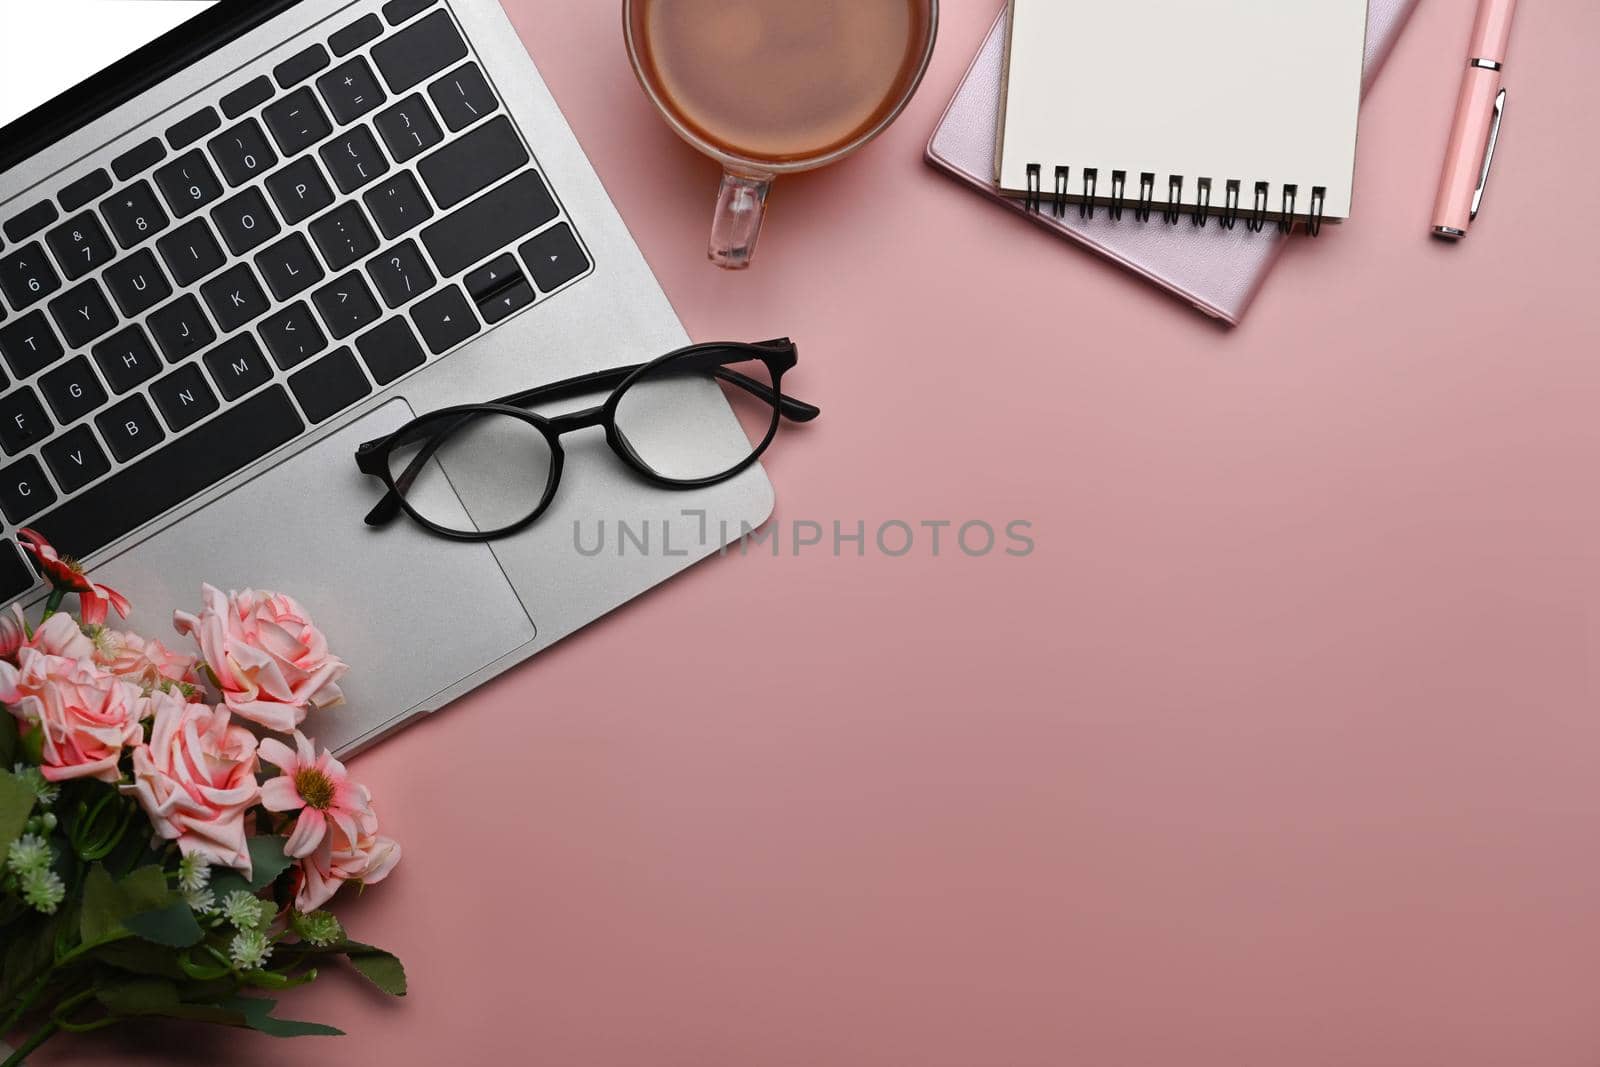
x=1282 y=749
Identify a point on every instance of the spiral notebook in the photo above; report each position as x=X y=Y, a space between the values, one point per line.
x=1238 y=109
x=1218 y=271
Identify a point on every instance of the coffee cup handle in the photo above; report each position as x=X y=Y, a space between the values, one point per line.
x=741 y=205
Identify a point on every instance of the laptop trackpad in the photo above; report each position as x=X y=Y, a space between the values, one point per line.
x=411 y=614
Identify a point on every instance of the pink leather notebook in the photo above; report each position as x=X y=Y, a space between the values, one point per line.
x=1218 y=271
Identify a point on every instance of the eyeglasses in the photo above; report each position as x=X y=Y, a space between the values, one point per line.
x=516 y=455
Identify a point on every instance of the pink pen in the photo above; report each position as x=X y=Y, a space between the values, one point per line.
x=1477 y=127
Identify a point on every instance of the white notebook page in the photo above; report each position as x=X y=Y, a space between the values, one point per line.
x=1248 y=90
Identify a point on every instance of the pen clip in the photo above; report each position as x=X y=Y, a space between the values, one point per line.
x=1488 y=154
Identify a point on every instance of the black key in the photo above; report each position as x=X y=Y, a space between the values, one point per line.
x=138 y=158
x=235 y=297
x=126 y=359
x=242 y=152
x=134 y=214
x=554 y=257
x=84 y=190
x=474 y=232
x=463 y=97
x=401 y=274
x=172 y=475
x=408 y=128
x=500 y=273
x=344 y=236
x=297 y=122
x=16 y=577
x=390 y=350
x=445 y=319
x=26 y=276
x=76 y=458
x=354 y=159
x=350 y=90
x=82 y=313
x=181 y=328
x=188 y=183
x=187 y=132
x=397 y=11
x=419 y=51
x=346 y=305
x=184 y=398
x=289 y=267
x=300 y=66
x=30 y=221
x=473 y=162
x=29 y=344
x=248 y=96
x=398 y=205
x=80 y=245
x=24 y=490
x=191 y=252
x=300 y=190
x=73 y=390
x=506 y=302
x=353 y=36
x=22 y=421
x=129 y=428
x=329 y=385
x=137 y=283
x=292 y=335
x=245 y=221
x=237 y=366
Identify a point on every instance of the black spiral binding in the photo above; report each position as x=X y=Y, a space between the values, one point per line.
x=1172 y=209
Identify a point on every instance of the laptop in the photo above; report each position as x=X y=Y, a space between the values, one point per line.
x=240 y=239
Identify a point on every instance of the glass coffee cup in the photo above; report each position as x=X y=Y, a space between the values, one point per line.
x=770 y=87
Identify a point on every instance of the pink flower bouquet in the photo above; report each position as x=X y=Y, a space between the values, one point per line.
x=163 y=851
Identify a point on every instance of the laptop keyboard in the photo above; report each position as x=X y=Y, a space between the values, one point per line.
x=359 y=207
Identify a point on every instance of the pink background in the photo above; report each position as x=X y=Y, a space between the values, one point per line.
x=1280 y=749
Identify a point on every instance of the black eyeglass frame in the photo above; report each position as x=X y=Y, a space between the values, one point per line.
x=778 y=356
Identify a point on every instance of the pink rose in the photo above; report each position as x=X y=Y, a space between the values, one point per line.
x=145 y=662
x=337 y=860
x=196 y=779
x=60 y=635
x=270 y=662
x=13 y=632
x=86 y=716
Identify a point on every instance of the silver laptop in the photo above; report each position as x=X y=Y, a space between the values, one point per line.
x=281 y=229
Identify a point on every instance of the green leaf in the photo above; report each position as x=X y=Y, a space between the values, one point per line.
x=107 y=904
x=382 y=969
x=172 y=925
x=267 y=861
x=138 y=996
x=16 y=804
x=32 y=746
x=10 y=740
x=141 y=957
x=102 y=907
x=257 y=1015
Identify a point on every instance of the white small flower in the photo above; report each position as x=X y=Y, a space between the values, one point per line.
x=194 y=873
x=246 y=911
x=249 y=950
x=202 y=901
x=44 y=791
x=42 y=889
x=29 y=854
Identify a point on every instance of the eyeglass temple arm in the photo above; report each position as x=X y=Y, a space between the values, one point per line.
x=387 y=508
